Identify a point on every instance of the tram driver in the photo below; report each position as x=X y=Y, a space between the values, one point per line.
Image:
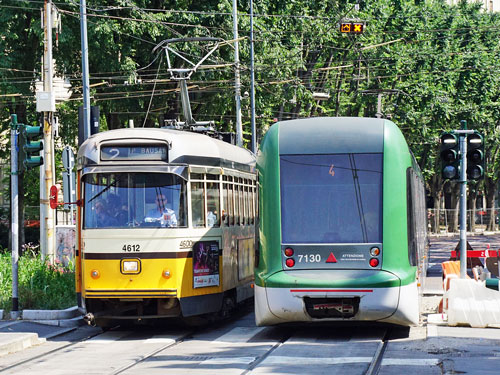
x=161 y=213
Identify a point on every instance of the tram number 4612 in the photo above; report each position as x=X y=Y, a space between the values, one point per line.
x=309 y=258
x=131 y=248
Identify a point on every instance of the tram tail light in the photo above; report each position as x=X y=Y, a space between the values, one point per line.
x=288 y=252
x=290 y=262
x=373 y=262
x=374 y=251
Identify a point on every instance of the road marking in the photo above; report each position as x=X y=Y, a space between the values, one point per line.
x=159 y=339
x=228 y=361
x=239 y=334
x=283 y=360
x=410 y=361
x=107 y=337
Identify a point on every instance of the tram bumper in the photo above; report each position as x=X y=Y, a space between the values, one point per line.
x=323 y=295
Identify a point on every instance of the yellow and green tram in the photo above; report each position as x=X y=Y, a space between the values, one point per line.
x=342 y=232
x=165 y=225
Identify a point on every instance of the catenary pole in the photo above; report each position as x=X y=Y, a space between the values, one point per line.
x=252 y=82
x=48 y=233
x=237 y=84
x=85 y=70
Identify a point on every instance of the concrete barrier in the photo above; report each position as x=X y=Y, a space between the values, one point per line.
x=469 y=302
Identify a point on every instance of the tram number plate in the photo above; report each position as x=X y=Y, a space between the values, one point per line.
x=340 y=307
x=309 y=258
x=131 y=248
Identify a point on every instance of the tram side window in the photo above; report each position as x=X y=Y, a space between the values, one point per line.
x=198 y=204
x=230 y=207
x=411 y=217
x=213 y=204
x=236 y=204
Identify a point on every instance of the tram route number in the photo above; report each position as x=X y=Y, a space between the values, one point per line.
x=309 y=258
x=131 y=248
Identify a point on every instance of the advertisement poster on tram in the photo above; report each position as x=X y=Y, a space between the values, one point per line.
x=205 y=264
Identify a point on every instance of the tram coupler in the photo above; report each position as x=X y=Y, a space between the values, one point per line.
x=89 y=318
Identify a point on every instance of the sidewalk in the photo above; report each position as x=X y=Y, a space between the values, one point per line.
x=36 y=327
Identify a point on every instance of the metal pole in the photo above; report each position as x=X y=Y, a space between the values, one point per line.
x=237 y=84
x=48 y=235
x=379 y=106
x=14 y=178
x=463 y=202
x=85 y=70
x=252 y=82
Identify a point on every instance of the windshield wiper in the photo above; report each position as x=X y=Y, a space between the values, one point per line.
x=108 y=186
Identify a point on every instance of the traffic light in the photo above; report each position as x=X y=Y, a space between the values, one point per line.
x=475 y=156
x=350 y=27
x=28 y=149
x=450 y=156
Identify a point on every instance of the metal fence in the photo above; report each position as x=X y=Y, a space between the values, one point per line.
x=478 y=221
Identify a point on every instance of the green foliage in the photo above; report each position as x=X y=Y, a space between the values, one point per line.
x=41 y=284
x=433 y=64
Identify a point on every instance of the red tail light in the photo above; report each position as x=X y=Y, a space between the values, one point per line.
x=374 y=262
x=288 y=251
x=290 y=262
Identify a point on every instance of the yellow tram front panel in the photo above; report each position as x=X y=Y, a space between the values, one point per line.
x=159 y=269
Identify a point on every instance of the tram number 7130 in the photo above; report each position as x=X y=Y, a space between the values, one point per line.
x=309 y=258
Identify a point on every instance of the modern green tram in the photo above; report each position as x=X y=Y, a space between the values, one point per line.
x=342 y=232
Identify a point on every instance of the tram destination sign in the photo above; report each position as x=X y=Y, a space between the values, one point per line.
x=146 y=153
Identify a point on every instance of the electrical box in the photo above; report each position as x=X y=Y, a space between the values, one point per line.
x=45 y=101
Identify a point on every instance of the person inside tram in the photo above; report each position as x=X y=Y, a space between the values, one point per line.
x=161 y=213
x=104 y=218
x=119 y=210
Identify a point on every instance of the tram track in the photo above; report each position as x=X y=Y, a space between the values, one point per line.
x=48 y=353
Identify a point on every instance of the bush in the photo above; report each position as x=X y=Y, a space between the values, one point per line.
x=41 y=285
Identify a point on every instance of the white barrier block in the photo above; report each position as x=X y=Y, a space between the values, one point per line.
x=470 y=302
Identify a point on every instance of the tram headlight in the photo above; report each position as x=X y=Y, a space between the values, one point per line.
x=166 y=274
x=95 y=274
x=130 y=266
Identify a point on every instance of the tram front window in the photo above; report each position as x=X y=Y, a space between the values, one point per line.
x=331 y=198
x=130 y=200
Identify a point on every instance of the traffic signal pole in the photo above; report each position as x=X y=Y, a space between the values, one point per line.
x=463 y=197
x=14 y=199
x=463 y=206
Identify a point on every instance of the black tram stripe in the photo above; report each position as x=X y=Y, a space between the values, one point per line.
x=131 y=291
x=118 y=256
x=130 y=295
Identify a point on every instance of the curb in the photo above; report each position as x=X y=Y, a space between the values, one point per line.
x=70 y=317
x=15 y=342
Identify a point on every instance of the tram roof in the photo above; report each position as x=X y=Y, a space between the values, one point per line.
x=183 y=147
x=321 y=135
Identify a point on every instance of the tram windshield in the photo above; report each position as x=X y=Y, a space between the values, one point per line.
x=331 y=198
x=130 y=200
